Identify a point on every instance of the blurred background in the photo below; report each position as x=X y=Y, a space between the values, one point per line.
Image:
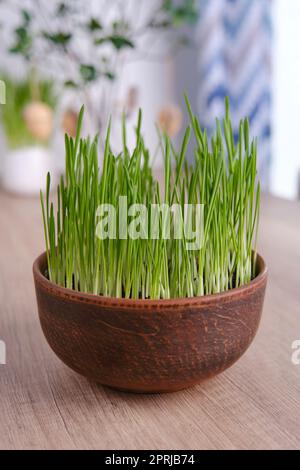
x=118 y=55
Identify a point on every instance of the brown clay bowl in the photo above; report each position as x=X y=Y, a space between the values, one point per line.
x=149 y=345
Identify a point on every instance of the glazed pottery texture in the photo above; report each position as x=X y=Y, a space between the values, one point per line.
x=149 y=345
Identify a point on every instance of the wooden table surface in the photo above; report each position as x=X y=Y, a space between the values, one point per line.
x=44 y=405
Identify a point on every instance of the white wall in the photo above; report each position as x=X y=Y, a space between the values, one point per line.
x=286 y=111
x=155 y=84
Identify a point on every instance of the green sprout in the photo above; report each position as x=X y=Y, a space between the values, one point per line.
x=223 y=177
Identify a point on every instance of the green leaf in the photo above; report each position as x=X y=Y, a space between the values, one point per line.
x=184 y=13
x=119 y=42
x=60 y=38
x=94 y=25
x=26 y=17
x=17 y=49
x=23 y=42
x=22 y=33
x=110 y=75
x=88 y=72
x=70 y=84
x=99 y=41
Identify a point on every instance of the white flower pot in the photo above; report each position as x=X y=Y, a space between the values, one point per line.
x=24 y=170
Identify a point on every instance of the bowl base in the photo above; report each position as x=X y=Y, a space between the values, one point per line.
x=175 y=389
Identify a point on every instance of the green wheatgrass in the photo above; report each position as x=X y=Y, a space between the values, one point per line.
x=223 y=178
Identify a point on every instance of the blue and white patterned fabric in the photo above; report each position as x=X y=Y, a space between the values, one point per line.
x=234 y=43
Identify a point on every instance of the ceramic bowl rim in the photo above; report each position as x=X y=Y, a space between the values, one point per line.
x=39 y=267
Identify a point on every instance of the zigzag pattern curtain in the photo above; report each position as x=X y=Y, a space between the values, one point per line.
x=234 y=41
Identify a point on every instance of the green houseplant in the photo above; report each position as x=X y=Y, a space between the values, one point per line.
x=153 y=313
x=27 y=122
x=85 y=45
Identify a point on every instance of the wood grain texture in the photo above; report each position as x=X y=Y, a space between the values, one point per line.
x=44 y=405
